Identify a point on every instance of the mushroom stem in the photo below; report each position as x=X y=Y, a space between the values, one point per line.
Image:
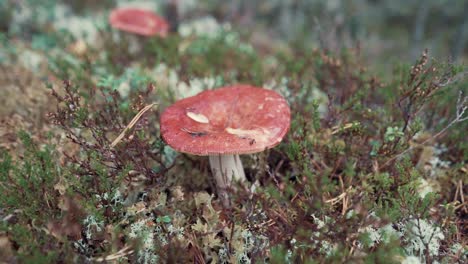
x=226 y=169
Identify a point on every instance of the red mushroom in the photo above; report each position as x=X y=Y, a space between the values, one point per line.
x=224 y=123
x=138 y=21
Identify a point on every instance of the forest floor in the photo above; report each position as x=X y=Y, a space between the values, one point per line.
x=373 y=168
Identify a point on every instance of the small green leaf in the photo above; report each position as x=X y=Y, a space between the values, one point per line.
x=163 y=219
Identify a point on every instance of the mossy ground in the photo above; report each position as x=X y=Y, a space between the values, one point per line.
x=373 y=169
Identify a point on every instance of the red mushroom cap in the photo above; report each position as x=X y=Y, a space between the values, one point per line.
x=138 y=21
x=237 y=119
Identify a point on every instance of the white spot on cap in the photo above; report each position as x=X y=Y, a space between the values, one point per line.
x=261 y=135
x=200 y=118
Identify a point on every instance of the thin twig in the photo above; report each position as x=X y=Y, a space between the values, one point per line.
x=461 y=107
x=119 y=254
x=131 y=124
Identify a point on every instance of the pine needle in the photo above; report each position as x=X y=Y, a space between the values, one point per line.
x=132 y=123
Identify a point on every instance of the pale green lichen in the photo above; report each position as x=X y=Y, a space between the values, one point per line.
x=421 y=237
x=92 y=224
x=411 y=260
x=374 y=235
x=206 y=27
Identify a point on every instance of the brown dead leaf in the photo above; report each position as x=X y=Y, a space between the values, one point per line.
x=70 y=224
x=177 y=193
x=6 y=251
x=78 y=47
x=136 y=208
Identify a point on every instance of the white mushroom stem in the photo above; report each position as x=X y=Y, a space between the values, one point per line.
x=226 y=169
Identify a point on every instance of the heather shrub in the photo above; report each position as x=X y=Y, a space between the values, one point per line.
x=373 y=168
